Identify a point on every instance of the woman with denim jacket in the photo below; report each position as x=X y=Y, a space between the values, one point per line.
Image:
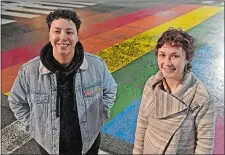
x=63 y=96
x=176 y=114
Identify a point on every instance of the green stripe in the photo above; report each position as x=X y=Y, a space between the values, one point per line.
x=131 y=80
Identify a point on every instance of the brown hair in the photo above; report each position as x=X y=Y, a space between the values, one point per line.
x=178 y=38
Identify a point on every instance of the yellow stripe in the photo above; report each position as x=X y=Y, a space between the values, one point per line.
x=129 y=50
x=7 y=94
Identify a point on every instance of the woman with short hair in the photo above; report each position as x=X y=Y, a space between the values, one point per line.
x=176 y=114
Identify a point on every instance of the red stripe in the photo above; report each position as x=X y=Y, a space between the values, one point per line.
x=219 y=137
x=27 y=52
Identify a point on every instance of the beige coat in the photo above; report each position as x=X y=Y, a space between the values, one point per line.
x=189 y=110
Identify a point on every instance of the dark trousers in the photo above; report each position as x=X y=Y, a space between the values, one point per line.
x=92 y=151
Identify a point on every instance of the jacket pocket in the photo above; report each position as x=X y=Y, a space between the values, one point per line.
x=40 y=108
x=37 y=98
x=93 y=90
x=93 y=95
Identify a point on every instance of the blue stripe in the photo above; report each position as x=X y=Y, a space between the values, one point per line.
x=208 y=66
x=124 y=124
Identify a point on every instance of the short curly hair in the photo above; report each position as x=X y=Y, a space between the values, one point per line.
x=65 y=14
x=178 y=38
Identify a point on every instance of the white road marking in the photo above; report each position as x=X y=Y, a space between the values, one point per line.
x=208 y=2
x=79 y=3
x=15 y=1
x=29 y=5
x=63 y=5
x=222 y=4
x=101 y=152
x=15 y=8
x=17 y=14
x=13 y=138
x=5 y=2
x=6 y=21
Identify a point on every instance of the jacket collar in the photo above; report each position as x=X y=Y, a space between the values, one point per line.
x=167 y=104
x=43 y=70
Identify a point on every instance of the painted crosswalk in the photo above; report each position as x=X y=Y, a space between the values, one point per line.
x=18 y=14
x=202 y=2
x=62 y=4
x=16 y=8
x=22 y=9
x=78 y=3
x=132 y=31
x=208 y=2
x=216 y=3
x=37 y=6
x=6 y=21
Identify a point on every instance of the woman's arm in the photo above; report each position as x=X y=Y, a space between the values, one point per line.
x=142 y=120
x=205 y=124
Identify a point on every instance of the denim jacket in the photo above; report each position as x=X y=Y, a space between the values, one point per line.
x=33 y=101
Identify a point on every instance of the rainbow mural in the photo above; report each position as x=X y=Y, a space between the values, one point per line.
x=125 y=39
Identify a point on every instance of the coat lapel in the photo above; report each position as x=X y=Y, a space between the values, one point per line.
x=167 y=104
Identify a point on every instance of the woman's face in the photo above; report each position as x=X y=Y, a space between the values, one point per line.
x=63 y=38
x=171 y=61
